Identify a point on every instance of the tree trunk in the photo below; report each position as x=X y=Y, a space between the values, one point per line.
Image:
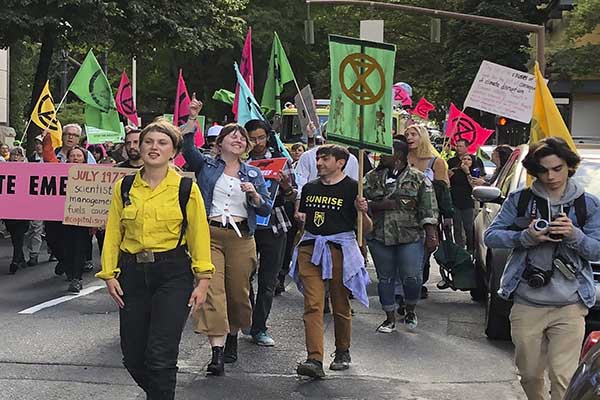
x=41 y=76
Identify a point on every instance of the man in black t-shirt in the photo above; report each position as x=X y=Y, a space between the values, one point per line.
x=460 y=149
x=329 y=251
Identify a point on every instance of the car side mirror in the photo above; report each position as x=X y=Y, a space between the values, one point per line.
x=488 y=194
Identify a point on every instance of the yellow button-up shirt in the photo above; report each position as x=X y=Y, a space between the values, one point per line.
x=153 y=222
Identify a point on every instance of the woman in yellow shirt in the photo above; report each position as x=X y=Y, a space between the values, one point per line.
x=146 y=262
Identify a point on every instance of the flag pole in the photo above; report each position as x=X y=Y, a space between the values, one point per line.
x=359 y=221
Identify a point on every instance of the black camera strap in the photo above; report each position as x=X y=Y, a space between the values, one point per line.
x=526 y=197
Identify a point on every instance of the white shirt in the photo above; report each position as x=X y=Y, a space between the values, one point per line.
x=228 y=199
x=306 y=170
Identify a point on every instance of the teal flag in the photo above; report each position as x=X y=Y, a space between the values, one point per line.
x=362 y=74
x=249 y=109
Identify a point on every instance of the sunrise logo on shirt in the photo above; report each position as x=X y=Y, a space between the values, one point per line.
x=319 y=218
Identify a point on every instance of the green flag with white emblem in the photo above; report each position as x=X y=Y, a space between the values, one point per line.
x=362 y=74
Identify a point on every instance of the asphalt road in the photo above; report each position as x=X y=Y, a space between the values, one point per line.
x=71 y=350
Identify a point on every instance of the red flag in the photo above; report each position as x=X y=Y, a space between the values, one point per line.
x=401 y=96
x=181 y=112
x=180 y=115
x=246 y=69
x=124 y=100
x=423 y=108
x=461 y=126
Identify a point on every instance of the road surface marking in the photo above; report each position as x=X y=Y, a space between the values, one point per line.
x=59 y=300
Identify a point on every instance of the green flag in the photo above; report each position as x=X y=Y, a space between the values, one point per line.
x=224 y=95
x=92 y=87
x=362 y=75
x=279 y=73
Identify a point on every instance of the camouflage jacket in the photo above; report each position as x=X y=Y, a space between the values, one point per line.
x=416 y=205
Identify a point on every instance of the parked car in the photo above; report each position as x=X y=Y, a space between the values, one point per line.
x=489 y=263
x=585 y=384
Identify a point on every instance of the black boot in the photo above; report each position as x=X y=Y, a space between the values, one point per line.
x=217 y=365
x=231 y=345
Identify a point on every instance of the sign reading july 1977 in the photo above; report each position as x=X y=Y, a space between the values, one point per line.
x=362 y=73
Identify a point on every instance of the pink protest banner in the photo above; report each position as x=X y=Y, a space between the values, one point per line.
x=461 y=126
x=246 y=69
x=423 y=108
x=33 y=191
x=124 y=100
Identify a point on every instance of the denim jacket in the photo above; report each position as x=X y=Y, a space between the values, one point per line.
x=208 y=170
x=582 y=248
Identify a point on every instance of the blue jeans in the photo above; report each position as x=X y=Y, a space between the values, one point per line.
x=401 y=262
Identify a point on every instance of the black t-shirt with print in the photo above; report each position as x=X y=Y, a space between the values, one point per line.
x=329 y=208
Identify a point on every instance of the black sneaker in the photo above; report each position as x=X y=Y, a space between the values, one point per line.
x=280 y=288
x=424 y=292
x=341 y=361
x=75 y=286
x=311 y=368
x=411 y=320
x=386 y=327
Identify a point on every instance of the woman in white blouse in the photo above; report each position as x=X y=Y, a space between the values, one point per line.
x=234 y=193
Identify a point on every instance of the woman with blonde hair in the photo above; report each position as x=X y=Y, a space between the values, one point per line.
x=235 y=193
x=422 y=157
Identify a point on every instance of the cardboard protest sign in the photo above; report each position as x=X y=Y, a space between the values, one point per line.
x=361 y=93
x=305 y=115
x=33 y=191
x=89 y=192
x=504 y=91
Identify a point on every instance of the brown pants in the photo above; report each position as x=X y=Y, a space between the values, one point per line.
x=314 y=302
x=227 y=307
x=547 y=336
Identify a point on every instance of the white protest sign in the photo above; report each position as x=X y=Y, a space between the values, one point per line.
x=503 y=91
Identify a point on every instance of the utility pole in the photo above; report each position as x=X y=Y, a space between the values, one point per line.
x=539 y=30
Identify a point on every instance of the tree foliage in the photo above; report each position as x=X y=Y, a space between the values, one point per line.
x=575 y=57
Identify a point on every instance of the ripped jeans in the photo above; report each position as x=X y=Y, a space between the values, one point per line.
x=401 y=262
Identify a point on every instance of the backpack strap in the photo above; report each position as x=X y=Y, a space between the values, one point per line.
x=580 y=210
x=431 y=162
x=185 y=189
x=125 y=188
x=524 y=199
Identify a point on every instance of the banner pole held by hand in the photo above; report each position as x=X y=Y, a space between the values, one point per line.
x=359 y=221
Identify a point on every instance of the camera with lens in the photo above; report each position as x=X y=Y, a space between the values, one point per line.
x=541 y=224
x=537 y=277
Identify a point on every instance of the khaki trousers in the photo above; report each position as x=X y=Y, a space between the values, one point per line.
x=547 y=336
x=314 y=302
x=227 y=307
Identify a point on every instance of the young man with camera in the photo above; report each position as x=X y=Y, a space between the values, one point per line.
x=554 y=231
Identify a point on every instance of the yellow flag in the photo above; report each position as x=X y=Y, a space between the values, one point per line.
x=44 y=116
x=546 y=120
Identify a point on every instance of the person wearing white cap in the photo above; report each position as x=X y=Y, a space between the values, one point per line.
x=210 y=139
